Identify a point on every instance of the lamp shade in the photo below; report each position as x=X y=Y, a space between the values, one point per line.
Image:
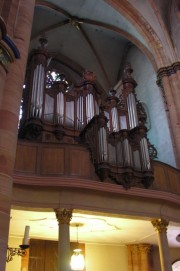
x=77 y=260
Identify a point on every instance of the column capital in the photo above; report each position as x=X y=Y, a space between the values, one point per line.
x=168 y=70
x=63 y=215
x=160 y=224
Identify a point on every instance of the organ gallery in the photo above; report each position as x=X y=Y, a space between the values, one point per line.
x=112 y=127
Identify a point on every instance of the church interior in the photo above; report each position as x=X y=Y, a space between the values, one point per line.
x=90 y=135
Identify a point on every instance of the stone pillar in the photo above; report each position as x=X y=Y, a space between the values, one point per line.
x=145 y=255
x=64 y=254
x=11 y=91
x=169 y=81
x=2 y=80
x=160 y=226
x=130 y=262
x=134 y=261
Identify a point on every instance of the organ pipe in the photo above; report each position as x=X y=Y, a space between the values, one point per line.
x=37 y=92
x=49 y=109
x=89 y=107
x=119 y=154
x=145 y=154
x=123 y=122
x=127 y=153
x=80 y=115
x=115 y=121
x=69 y=114
x=96 y=108
x=112 y=154
x=137 y=162
x=60 y=108
x=132 y=112
x=103 y=154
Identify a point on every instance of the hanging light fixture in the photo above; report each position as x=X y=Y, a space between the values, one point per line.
x=77 y=259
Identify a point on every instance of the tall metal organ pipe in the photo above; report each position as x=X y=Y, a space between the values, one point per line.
x=60 y=108
x=127 y=153
x=132 y=111
x=115 y=120
x=103 y=148
x=38 y=64
x=145 y=154
x=80 y=115
x=89 y=107
x=37 y=91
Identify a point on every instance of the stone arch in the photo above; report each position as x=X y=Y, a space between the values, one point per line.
x=140 y=23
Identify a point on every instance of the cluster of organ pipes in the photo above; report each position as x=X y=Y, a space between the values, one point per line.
x=113 y=129
x=37 y=91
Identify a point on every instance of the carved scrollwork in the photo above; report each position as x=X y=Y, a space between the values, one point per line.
x=142 y=116
x=32 y=129
x=147 y=181
x=103 y=171
x=63 y=216
x=152 y=150
x=128 y=180
x=59 y=132
x=160 y=224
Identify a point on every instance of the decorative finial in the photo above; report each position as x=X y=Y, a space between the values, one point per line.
x=89 y=76
x=127 y=71
x=127 y=79
x=112 y=92
x=43 y=42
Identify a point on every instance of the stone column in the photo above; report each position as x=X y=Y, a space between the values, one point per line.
x=134 y=261
x=169 y=81
x=64 y=254
x=145 y=253
x=9 y=114
x=160 y=226
x=2 y=79
x=130 y=262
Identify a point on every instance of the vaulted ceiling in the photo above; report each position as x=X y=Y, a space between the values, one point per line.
x=85 y=35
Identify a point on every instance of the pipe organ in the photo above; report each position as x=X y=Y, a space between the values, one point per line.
x=112 y=128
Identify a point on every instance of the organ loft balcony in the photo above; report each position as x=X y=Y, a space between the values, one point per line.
x=74 y=130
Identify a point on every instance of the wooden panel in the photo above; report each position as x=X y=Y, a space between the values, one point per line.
x=51 y=256
x=174 y=181
x=52 y=160
x=37 y=255
x=160 y=178
x=80 y=163
x=167 y=178
x=43 y=255
x=26 y=158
